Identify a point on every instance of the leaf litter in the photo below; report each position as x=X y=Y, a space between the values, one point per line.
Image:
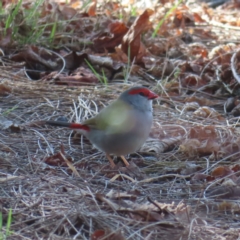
x=67 y=62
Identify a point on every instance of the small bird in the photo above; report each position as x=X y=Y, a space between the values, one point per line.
x=120 y=128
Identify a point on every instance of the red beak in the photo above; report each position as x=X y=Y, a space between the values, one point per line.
x=152 y=95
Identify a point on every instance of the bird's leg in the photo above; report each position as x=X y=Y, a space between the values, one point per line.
x=125 y=161
x=112 y=164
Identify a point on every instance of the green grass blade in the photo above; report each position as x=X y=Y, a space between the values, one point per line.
x=53 y=32
x=1 y=221
x=9 y=222
x=33 y=10
x=165 y=17
x=104 y=78
x=94 y=71
x=12 y=16
x=5 y=113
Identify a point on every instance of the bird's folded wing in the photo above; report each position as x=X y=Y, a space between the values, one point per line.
x=113 y=119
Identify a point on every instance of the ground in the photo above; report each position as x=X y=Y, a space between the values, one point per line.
x=182 y=184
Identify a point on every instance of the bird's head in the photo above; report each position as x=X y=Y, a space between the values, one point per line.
x=139 y=97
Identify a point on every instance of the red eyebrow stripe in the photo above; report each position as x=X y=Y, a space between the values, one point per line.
x=147 y=93
x=137 y=91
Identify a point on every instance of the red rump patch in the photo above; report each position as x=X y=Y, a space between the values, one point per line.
x=79 y=126
x=145 y=92
x=68 y=125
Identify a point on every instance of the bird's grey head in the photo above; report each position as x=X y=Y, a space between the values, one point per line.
x=139 y=97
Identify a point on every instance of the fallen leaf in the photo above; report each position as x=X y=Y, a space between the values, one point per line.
x=131 y=42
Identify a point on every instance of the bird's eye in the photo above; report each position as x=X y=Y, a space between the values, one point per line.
x=142 y=94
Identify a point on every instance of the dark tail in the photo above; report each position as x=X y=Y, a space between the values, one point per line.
x=58 y=124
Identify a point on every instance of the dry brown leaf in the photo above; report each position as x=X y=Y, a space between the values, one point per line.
x=199 y=49
x=193 y=81
x=195 y=147
x=101 y=234
x=222 y=53
x=198 y=18
x=58 y=159
x=207 y=112
x=229 y=206
x=190 y=147
x=36 y=58
x=68 y=12
x=202 y=101
x=183 y=18
x=221 y=171
x=98 y=234
x=7 y=40
x=236 y=168
x=75 y=4
x=5 y=90
x=190 y=106
x=119 y=55
x=111 y=37
x=200 y=177
x=203 y=132
x=92 y=9
x=224 y=192
x=131 y=42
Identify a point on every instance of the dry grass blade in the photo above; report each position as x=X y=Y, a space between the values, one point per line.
x=74 y=206
x=184 y=181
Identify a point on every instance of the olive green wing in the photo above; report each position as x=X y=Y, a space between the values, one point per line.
x=113 y=119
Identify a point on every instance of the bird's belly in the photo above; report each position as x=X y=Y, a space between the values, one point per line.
x=122 y=143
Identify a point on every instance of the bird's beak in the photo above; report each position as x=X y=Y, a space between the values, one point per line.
x=152 y=95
